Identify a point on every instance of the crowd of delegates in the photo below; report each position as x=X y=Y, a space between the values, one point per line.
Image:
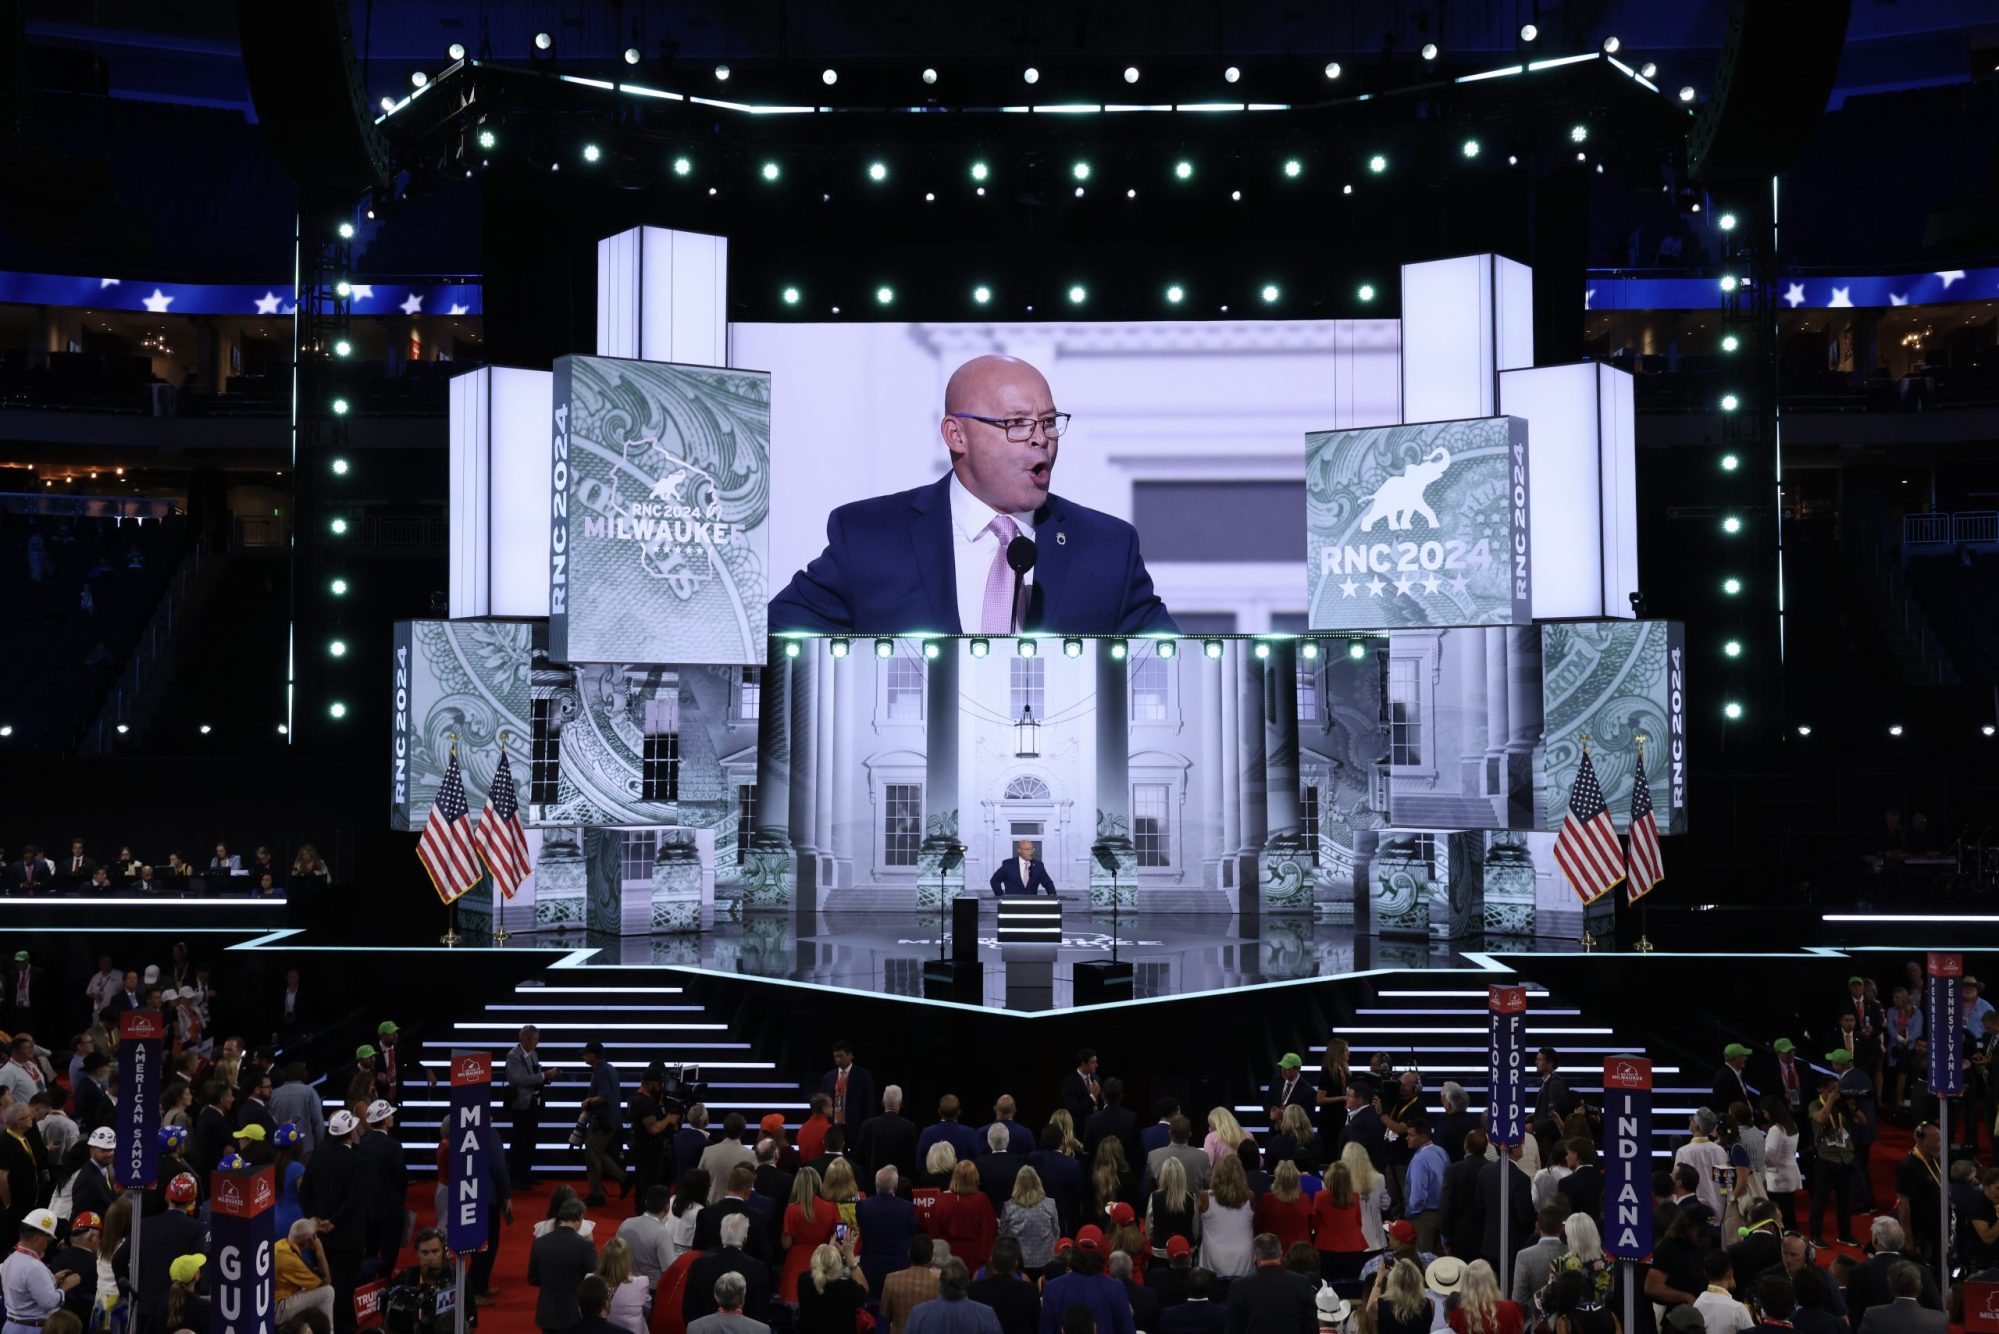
x=75 y=870
x=1357 y=1198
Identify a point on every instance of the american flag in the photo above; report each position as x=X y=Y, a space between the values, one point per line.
x=446 y=849
x=1587 y=849
x=501 y=841
x=1647 y=864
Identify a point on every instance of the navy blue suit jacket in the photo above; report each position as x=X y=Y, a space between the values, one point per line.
x=1006 y=879
x=889 y=564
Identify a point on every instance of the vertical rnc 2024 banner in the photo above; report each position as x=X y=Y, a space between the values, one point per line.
x=1627 y=1163
x=242 y=1208
x=1943 y=1002
x=658 y=547
x=141 y=1034
x=469 y=1170
x=1505 y=1104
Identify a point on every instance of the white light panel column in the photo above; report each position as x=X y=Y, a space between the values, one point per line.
x=1583 y=499
x=663 y=296
x=499 y=492
x=1463 y=321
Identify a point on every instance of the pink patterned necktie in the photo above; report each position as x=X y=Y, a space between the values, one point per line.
x=996 y=617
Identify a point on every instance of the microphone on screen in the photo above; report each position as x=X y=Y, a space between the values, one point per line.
x=1020 y=556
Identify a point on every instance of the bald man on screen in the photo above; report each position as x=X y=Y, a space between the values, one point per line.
x=935 y=558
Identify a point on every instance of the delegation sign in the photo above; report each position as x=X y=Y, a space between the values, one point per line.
x=141 y=1034
x=1627 y=1164
x=1505 y=1111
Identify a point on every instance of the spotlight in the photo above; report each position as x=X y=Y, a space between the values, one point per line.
x=1733 y=648
x=1729 y=402
x=1118 y=650
x=981 y=647
x=1231 y=74
x=1726 y=222
x=1731 y=710
x=1076 y=295
x=1270 y=293
x=1346 y=189
x=418 y=78
x=1578 y=133
x=339 y=527
x=1309 y=650
x=838 y=648
x=632 y=56
x=770 y=171
x=1175 y=293
x=1212 y=647
x=930 y=649
x=1731 y=586
x=1894 y=729
x=1183 y=169
x=123 y=728
x=456 y=50
x=1730 y=343
x=340 y=467
x=1648 y=71
x=884 y=295
x=1687 y=93
x=1429 y=50
x=342 y=348
x=340 y=407
x=1729 y=283
x=1731 y=524
x=1377 y=164
x=283 y=730
x=979 y=171
x=488 y=140
x=884 y=648
x=982 y=294
x=1030 y=75
x=1131 y=74
x=1729 y=463
x=791 y=296
x=1293 y=167
x=1528 y=32
x=1027 y=648
x=1611 y=46
x=343 y=288
x=877 y=171
x=1512 y=160
x=1804 y=729
x=6 y=729
x=1167 y=648
x=591 y=152
x=1471 y=148
x=1988 y=730
x=1262 y=649
x=336 y=709
x=721 y=74
x=1081 y=171
x=1332 y=69
x=1072 y=648
x=1235 y=196
x=682 y=166
x=1357 y=649
x=338 y=648
x=338 y=588
x=930 y=76
x=388 y=103
x=346 y=230
x=204 y=729
x=1366 y=292
x=544 y=41
x=829 y=77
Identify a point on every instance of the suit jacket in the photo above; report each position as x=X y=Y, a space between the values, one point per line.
x=996 y=1174
x=889 y=561
x=1516 y=1226
x=1144 y=1306
x=862 y=1100
x=387 y=1180
x=527 y=1078
x=1302 y=1094
x=1019 y=1139
x=1116 y=1122
x=774 y=1185
x=1203 y=1317
x=1271 y=1300
x=1193 y=1160
x=334 y=1187
x=760 y=1244
x=1015 y=1300
x=559 y=1260
x=688 y=1146
x=71 y=878
x=887 y=1222
x=1063 y=1178
x=1868 y=1287
x=1080 y=1101
x=903 y=1291
x=887 y=1140
x=1155 y=1136
x=1729 y=1087
x=1553 y=1099
x=697 y=1295
x=91 y=1191
x=1006 y=878
x=1902 y=1316
x=1531 y=1266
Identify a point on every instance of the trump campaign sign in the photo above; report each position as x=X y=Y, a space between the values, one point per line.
x=1627 y=1164
x=1943 y=1002
x=469 y=1173
x=241 y=1211
x=141 y=1034
x=1505 y=1111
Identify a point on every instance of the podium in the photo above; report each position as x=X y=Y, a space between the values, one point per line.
x=1030 y=920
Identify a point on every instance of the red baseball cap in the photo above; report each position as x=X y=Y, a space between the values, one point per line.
x=1121 y=1214
x=1177 y=1247
x=1089 y=1237
x=183 y=1189
x=772 y=1124
x=1402 y=1231
x=1064 y=1244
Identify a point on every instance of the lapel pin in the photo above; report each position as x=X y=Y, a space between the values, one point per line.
x=1061 y=539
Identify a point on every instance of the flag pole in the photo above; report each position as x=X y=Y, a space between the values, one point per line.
x=451 y=937
x=1644 y=945
x=1588 y=940
x=500 y=933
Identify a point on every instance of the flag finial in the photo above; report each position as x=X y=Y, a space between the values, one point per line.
x=1641 y=738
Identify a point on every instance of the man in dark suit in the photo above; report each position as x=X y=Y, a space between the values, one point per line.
x=1160 y=1133
x=77 y=869
x=1082 y=1092
x=887 y=1222
x=690 y=1142
x=1463 y=1222
x=741 y=1199
x=559 y=1260
x=335 y=1188
x=1868 y=1022
x=1113 y=1121
x=1199 y=1313
x=25 y=1000
x=851 y=1088
x=998 y=1166
x=33 y=874
x=93 y=1108
x=887 y=1140
x=697 y=1297
x=1730 y=1085
x=1364 y=1126
x=1022 y=873
x=937 y=557
x=1144 y=1301
x=1019 y=1138
x=1270 y=1299
x=1872 y=1282
x=1290 y=1088
x=1553 y=1097
x=1904 y=1312
x=1514 y=1227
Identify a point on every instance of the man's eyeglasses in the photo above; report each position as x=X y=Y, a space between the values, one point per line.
x=1020 y=430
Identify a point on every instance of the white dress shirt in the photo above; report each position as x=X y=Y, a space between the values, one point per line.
x=973 y=552
x=1024 y=881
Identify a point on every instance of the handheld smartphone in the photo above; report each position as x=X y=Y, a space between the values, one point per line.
x=839 y=1233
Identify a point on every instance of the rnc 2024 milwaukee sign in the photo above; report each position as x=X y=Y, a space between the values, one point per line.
x=1418 y=525
x=660 y=496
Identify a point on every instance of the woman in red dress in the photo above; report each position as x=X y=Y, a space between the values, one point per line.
x=808 y=1224
x=1285 y=1209
x=964 y=1218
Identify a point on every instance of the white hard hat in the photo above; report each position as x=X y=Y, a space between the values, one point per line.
x=104 y=1137
x=343 y=1123
x=381 y=1109
x=41 y=1220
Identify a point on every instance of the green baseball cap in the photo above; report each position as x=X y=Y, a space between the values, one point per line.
x=386 y=1026
x=1840 y=1057
x=1856 y=981
x=1784 y=1045
x=1289 y=1061
x=20 y=956
x=1734 y=1049
x=364 y=1052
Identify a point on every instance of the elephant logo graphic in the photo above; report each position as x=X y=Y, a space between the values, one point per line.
x=1400 y=498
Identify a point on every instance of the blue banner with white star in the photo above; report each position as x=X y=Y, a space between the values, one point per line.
x=1602 y=291
x=380 y=297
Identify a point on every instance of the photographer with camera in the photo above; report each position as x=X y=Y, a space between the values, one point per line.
x=1835 y=1146
x=421 y=1299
